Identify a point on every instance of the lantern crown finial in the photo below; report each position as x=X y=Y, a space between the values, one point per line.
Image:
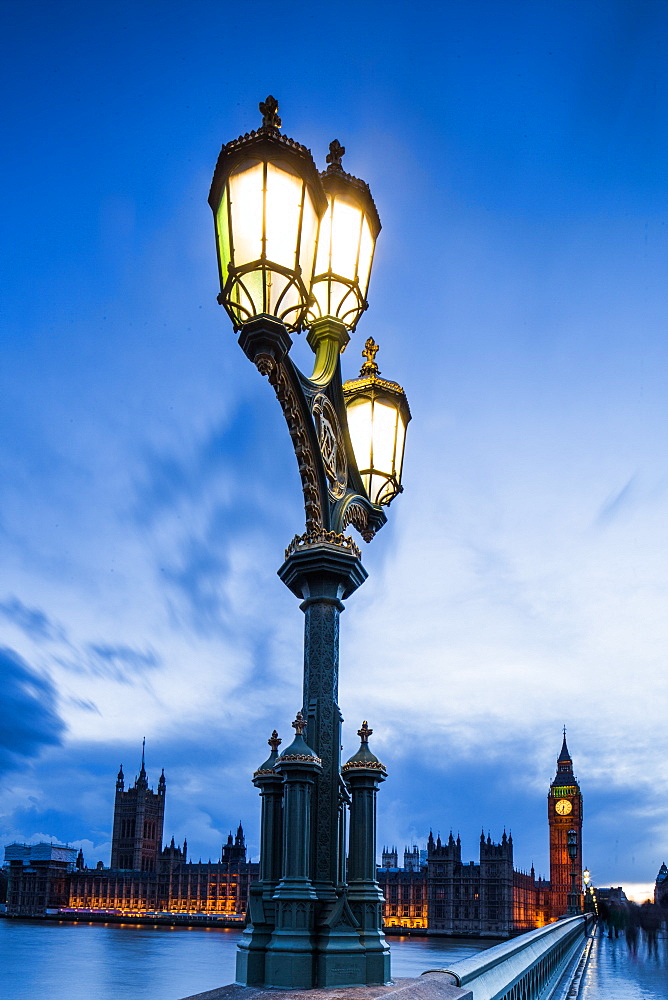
x=336 y=151
x=270 y=117
x=370 y=351
x=365 y=732
x=299 y=724
x=274 y=741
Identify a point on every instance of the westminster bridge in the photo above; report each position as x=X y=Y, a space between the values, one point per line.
x=568 y=960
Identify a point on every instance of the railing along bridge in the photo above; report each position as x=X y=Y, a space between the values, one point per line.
x=529 y=967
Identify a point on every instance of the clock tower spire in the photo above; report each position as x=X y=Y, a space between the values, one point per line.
x=564 y=815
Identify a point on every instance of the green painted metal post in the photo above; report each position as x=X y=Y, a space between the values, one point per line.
x=261 y=907
x=289 y=958
x=324 y=575
x=363 y=774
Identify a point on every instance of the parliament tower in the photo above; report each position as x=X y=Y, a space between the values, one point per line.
x=139 y=814
x=564 y=814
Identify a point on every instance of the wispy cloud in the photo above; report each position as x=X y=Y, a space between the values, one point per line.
x=617 y=503
x=34 y=622
x=29 y=718
x=120 y=662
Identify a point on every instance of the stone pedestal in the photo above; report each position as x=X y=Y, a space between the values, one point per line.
x=433 y=986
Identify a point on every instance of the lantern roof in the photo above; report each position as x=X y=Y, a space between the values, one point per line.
x=266 y=140
x=364 y=759
x=335 y=180
x=267 y=767
x=369 y=379
x=299 y=752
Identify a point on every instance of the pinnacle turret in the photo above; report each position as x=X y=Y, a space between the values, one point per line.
x=565 y=774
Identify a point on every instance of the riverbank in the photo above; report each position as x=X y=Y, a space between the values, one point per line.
x=142 y=919
x=211 y=920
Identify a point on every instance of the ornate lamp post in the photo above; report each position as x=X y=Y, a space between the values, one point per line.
x=574 y=895
x=295 y=250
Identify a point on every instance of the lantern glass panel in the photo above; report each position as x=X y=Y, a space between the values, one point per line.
x=246 y=197
x=367 y=246
x=309 y=236
x=399 y=447
x=384 y=437
x=283 y=210
x=360 y=425
x=343 y=261
x=344 y=239
x=377 y=433
x=223 y=231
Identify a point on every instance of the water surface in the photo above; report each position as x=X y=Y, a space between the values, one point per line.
x=54 y=960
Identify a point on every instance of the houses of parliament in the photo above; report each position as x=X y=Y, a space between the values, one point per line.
x=441 y=894
x=435 y=892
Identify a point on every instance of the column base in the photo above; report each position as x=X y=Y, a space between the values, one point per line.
x=341 y=960
x=366 y=905
x=251 y=950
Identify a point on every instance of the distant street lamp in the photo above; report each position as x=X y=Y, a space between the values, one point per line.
x=295 y=249
x=589 y=896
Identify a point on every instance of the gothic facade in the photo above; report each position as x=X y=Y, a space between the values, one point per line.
x=143 y=880
x=139 y=816
x=489 y=897
x=564 y=815
x=435 y=892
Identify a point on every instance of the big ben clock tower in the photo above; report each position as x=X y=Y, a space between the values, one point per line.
x=564 y=814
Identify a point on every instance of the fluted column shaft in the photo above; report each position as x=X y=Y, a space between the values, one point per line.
x=323 y=575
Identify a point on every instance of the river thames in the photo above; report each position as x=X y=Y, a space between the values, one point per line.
x=65 y=961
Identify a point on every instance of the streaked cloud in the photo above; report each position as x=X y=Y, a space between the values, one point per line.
x=32 y=621
x=29 y=719
x=616 y=503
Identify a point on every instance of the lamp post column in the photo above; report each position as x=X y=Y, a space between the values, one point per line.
x=323 y=573
x=363 y=774
x=261 y=906
x=289 y=954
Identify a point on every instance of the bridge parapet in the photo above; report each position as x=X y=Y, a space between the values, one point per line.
x=523 y=968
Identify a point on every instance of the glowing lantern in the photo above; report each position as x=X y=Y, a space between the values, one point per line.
x=378 y=414
x=348 y=234
x=267 y=200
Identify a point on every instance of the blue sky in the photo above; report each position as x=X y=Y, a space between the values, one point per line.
x=517 y=154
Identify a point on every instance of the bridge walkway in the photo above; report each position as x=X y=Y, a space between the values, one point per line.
x=618 y=970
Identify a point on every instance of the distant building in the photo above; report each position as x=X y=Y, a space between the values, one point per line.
x=139 y=816
x=661 y=887
x=611 y=896
x=405 y=893
x=389 y=858
x=564 y=813
x=144 y=879
x=38 y=878
x=412 y=859
x=435 y=891
x=488 y=898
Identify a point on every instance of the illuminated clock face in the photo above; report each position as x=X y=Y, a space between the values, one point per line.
x=563 y=807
